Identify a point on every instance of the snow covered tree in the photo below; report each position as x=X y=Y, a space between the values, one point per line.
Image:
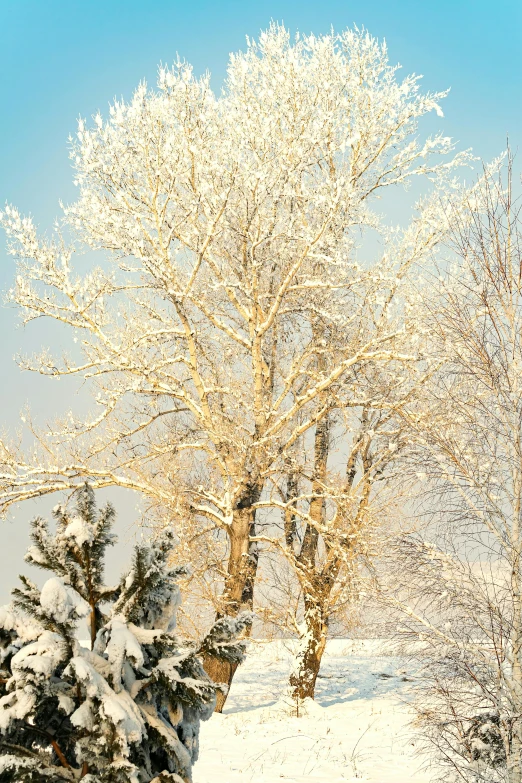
x=330 y=552
x=229 y=225
x=128 y=708
x=339 y=503
x=458 y=584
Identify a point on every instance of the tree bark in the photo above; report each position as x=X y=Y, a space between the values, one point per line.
x=304 y=676
x=238 y=594
x=220 y=672
x=514 y=754
x=316 y=586
x=307 y=555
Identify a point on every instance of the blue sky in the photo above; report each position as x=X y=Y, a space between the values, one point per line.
x=62 y=59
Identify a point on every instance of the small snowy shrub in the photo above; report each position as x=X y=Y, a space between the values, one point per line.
x=484 y=740
x=128 y=709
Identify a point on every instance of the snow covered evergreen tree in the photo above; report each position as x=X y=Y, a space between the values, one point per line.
x=128 y=709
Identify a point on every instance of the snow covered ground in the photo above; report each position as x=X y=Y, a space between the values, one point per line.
x=356 y=731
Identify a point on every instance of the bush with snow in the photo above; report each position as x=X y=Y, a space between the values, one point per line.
x=128 y=709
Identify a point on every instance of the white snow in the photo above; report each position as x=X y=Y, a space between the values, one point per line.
x=80 y=530
x=9 y=763
x=122 y=644
x=35 y=555
x=61 y=601
x=119 y=707
x=65 y=703
x=357 y=730
x=40 y=657
x=15 y=706
x=27 y=629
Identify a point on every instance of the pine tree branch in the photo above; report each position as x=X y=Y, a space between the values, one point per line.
x=25 y=752
x=56 y=747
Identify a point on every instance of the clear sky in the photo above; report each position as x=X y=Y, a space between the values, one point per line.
x=60 y=59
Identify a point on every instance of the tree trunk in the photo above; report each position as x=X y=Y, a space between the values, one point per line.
x=308 y=662
x=316 y=588
x=514 y=755
x=220 y=672
x=238 y=594
x=307 y=555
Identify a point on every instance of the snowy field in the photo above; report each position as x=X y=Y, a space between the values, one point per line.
x=357 y=730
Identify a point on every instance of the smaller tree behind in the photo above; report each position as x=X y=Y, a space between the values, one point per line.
x=459 y=585
x=128 y=709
